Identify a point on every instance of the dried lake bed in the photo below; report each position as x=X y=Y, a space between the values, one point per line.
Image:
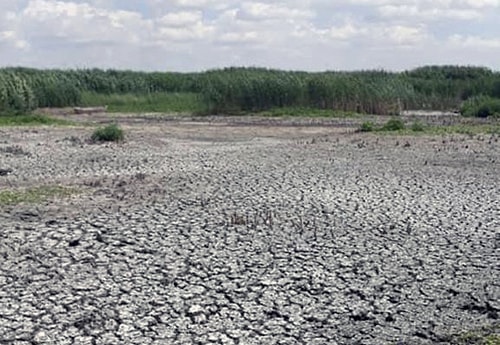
x=253 y=232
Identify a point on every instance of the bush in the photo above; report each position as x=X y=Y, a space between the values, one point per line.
x=109 y=133
x=367 y=127
x=481 y=106
x=417 y=127
x=394 y=125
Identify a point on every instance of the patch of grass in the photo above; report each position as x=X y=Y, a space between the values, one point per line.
x=32 y=120
x=417 y=127
x=109 y=133
x=307 y=112
x=34 y=195
x=159 y=102
x=393 y=124
x=367 y=127
x=484 y=336
x=464 y=129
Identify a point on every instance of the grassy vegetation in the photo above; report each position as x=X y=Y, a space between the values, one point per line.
x=159 y=102
x=481 y=106
x=34 y=195
x=474 y=338
x=247 y=90
x=367 y=126
x=307 y=112
x=31 y=120
x=470 y=129
x=418 y=128
x=393 y=124
x=109 y=133
x=484 y=336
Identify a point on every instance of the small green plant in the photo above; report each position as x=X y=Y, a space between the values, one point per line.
x=393 y=124
x=481 y=106
x=417 y=127
x=367 y=126
x=109 y=133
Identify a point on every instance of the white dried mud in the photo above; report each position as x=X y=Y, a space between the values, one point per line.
x=215 y=234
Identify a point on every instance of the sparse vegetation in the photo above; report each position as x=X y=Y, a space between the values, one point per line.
x=481 y=106
x=32 y=120
x=367 y=126
x=34 y=195
x=307 y=112
x=417 y=126
x=109 y=133
x=484 y=336
x=417 y=129
x=393 y=124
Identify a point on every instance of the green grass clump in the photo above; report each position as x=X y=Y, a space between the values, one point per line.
x=481 y=106
x=109 y=133
x=417 y=127
x=34 y=195
x=31 y=120
x=158 y=102
x=393 y=124
x=367 y=127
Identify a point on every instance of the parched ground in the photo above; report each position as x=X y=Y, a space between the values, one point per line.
x=226 y=232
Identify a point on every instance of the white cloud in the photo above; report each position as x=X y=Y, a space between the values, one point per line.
x=405 y=35
x=239 y=37
x=81 y=22
x=481 y=3
x=412 y=11
x=266 y=11
x=10 y=38
x=471 y=41
x=346 y=32
x=199 y=4
x=198 y=31
x=201 y=34
x=179 y=19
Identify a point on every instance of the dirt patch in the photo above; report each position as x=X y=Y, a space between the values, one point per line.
x=250 y=231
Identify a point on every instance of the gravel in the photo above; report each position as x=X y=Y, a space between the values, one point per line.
x=215 y=234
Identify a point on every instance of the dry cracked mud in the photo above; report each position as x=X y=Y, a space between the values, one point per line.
x=218 y=233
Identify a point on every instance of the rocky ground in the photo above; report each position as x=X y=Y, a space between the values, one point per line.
x=227 y=233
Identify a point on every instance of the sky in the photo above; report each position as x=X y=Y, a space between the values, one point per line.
x=196 y=35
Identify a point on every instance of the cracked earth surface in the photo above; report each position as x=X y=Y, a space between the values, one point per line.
x=192 y=233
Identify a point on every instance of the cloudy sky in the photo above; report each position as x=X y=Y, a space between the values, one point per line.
x=193 y=35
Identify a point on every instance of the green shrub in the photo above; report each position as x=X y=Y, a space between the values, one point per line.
x=481 y=106
x=109 y=133
x=367 y=126
x=417 y=127
x=394 y=124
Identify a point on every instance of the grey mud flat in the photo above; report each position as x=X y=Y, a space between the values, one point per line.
x=198 y=233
